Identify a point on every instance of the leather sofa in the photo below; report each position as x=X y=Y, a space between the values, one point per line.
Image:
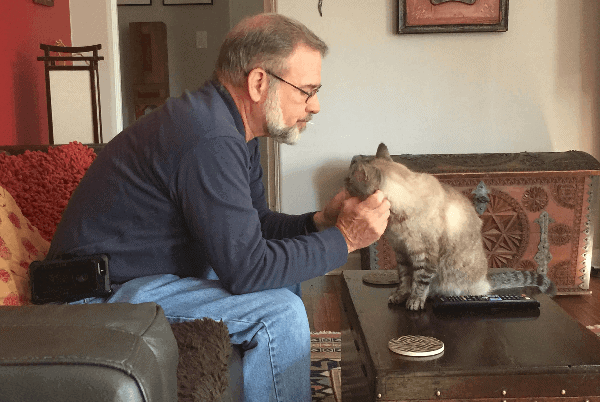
x=98 y=352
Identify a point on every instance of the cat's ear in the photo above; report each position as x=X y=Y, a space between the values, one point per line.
x=383 y=153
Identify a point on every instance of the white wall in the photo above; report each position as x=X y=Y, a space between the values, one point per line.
x=94 y=22
x=533 y=88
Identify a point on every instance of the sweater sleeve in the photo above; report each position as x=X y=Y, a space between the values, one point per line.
x=248 y=247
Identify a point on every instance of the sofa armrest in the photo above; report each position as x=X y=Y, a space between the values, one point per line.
x=96 y=352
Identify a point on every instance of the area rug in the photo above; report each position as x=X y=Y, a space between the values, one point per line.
x=594 y=328
x=325 y=371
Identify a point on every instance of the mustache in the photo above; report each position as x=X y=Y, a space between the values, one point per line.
x=308 y=118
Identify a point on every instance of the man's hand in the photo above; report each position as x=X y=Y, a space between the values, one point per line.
x=363 y=223
x=329 y=215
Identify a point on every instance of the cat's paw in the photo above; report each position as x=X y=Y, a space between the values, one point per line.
x=398 y=297
x=415 y=303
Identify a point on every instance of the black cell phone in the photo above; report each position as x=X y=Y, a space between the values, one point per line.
x=69 y=280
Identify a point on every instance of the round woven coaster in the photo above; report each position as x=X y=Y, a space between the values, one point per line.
x=416 y=345
x=386 y=277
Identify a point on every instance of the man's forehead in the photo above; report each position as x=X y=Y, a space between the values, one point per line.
x=305 y=63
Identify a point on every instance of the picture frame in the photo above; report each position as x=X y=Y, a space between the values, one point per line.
x=134 y=2
x=49 y=3
x=186 y=2
x=452 y=16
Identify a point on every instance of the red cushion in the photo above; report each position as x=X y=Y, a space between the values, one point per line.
x=42 y=183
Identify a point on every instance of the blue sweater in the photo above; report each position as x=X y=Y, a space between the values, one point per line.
x=180 y=192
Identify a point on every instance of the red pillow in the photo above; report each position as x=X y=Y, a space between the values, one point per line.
x=42 y=183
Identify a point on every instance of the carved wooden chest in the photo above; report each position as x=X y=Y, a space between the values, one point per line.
x=538 y=210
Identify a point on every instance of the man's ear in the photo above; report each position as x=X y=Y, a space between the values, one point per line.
x=258 y=84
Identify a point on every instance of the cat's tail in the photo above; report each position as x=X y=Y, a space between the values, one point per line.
x=517 y=279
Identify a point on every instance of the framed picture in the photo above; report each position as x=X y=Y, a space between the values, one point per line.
x=134 y=2
x=435 y=16
x=49 y=3
x=185 y=2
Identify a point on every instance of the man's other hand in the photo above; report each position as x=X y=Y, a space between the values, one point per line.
x=329 y=215
x=363 y=223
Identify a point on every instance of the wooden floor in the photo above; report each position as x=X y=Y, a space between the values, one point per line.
x=585 y=309
x=321 y=299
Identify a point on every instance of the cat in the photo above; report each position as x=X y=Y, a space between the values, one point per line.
x=435 y=233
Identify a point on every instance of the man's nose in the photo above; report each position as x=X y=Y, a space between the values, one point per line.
x=313 y=106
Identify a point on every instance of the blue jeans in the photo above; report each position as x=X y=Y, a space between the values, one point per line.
x=271 y=327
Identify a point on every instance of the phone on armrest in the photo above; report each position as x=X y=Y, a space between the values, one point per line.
x=69 y=280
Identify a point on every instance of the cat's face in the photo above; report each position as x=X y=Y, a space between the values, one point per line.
x=364 y=177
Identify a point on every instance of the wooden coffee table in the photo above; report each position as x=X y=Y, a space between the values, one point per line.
x=537 y=356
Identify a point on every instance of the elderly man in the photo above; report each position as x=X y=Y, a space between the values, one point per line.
x=177 y=203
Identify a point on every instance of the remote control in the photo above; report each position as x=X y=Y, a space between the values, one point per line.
x=485 y=302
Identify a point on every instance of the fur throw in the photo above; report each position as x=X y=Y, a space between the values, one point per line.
x=204 y=350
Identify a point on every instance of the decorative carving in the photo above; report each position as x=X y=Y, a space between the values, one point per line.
x=560 y=234
x=543 y=255
x=480 y=197
x=576 y=184
x=526 y=265
x=535 y=199
x=384 y=256
x=565 y=194
x=562 y=274
x=505 y=230
x=521 y=186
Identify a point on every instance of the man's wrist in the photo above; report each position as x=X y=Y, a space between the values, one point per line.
x=351 y=248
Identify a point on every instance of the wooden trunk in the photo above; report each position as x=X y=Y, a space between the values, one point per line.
x=539 y=216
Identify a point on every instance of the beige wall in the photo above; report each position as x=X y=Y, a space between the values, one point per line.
x=533 y=88
x=94 y=22
x=101 y=21
x=238 y=9
x=189 y=66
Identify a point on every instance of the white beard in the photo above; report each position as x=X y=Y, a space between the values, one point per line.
x=275 y=125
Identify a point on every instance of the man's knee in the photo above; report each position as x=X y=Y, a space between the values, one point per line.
x=291 y=308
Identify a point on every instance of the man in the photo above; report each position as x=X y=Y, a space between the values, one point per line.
x=176 y=201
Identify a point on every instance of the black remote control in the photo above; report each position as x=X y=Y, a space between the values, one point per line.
x=485 y=302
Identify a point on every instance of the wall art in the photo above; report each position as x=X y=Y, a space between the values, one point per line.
x=448 y=16
x=185 y=2
x=134 y=2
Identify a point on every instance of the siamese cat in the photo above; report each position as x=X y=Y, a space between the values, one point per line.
x=435 y=233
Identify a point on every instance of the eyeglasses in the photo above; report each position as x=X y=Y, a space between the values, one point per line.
x=308 y=94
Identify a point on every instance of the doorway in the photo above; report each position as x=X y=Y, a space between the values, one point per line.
x=191 y=63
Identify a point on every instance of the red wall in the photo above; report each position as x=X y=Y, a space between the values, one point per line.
x=23 y=26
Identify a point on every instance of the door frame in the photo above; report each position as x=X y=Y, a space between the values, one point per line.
x=272 y=161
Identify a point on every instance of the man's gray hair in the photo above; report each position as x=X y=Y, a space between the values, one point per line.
x=266 y=41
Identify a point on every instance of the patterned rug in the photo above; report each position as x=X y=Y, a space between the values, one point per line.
x=325 y=371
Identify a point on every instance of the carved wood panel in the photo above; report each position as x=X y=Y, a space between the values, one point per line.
x=531 y=223
x=538 y=217
x=534 y=223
